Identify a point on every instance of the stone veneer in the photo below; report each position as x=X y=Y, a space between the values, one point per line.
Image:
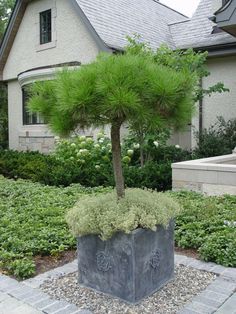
x=212 y=176
x=42 y=144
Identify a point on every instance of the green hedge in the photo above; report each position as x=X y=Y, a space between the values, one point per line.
x=95 y=169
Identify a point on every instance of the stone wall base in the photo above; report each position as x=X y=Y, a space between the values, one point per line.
x=43 y=145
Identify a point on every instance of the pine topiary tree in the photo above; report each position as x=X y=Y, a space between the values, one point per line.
x=116 y=89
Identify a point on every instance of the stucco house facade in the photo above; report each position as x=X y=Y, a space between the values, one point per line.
x=43 y=36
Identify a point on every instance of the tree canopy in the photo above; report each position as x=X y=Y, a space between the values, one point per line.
x=6 y=7
x=116 y=89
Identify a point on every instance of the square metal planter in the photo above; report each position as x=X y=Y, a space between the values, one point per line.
x=128 y=266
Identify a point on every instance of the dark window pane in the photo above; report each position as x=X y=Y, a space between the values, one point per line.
x=45 y=27
x=28 y=117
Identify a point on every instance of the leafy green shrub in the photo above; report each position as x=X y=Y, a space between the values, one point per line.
x=221 y=248
x=208 y=224
x=154 y=148
x=104 y=216
x=155 y=176
x=33 y=222
x=22 y=268
x=88 y=162
x=219 y=139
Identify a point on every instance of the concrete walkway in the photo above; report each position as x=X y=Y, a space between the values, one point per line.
x=26 y=297
x=11 y=305
x=19 y=298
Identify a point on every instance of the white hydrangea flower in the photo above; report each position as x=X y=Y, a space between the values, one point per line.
x=136 y=146
x=73 y=145
x=97 y=167
x=156 y=143
x=100 y=135
x=89 y=140
x=130 y=152
x=101 y=140
x=177 y=146
x=82 y=138
x=97 y=146
x=83 y=151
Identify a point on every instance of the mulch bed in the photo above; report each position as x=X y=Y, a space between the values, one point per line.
x=46 y=263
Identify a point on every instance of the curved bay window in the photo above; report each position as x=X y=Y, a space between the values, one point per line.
x=29 y=118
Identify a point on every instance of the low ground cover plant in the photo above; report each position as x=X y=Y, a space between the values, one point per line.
x=33 y=223
x=208 y=224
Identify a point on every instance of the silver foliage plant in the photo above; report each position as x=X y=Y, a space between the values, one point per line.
x=103 y=215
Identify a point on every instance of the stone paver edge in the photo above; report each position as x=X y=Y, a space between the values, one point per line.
x=30 y=294
x=216 y=294
x=223 y=287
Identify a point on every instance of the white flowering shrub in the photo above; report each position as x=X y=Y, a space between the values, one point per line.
x=91 y=161
x=102 y=215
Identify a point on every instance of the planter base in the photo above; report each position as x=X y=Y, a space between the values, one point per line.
x=128 y=266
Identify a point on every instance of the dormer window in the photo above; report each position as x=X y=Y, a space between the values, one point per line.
x=45 y=27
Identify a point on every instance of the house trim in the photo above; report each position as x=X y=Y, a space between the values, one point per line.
x=44 y=73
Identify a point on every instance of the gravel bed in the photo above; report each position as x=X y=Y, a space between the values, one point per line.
x=188 y=282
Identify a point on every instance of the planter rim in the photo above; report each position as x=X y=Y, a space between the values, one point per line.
x=138 y=230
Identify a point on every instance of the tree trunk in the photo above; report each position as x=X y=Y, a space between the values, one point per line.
x=141 y=143
x=116 y=159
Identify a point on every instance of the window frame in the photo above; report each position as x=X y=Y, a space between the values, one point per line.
x=25 y=114
x=45 y=36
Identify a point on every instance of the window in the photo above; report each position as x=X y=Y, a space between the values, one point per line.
x=45 y=27
x=28 y=117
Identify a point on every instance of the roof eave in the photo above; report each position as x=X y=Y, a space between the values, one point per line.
x=221 y=50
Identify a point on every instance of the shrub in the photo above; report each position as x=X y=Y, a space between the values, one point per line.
x=220 y=247
x=219 y=139
x=84 y=161
x=104 y=216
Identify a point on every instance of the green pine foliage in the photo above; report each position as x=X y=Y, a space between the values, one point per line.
x=116 y=89
x=123 y=87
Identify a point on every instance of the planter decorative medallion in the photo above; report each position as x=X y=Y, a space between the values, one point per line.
x=128 y=266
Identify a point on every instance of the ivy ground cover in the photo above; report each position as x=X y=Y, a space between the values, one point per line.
x=32 y=222
x=208 y=224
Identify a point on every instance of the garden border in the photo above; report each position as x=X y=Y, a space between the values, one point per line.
x=219 y=297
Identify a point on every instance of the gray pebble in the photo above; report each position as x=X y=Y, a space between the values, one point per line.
x=188 y=282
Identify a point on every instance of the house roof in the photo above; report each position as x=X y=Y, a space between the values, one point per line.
x=197 y=32
x=113 y=20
